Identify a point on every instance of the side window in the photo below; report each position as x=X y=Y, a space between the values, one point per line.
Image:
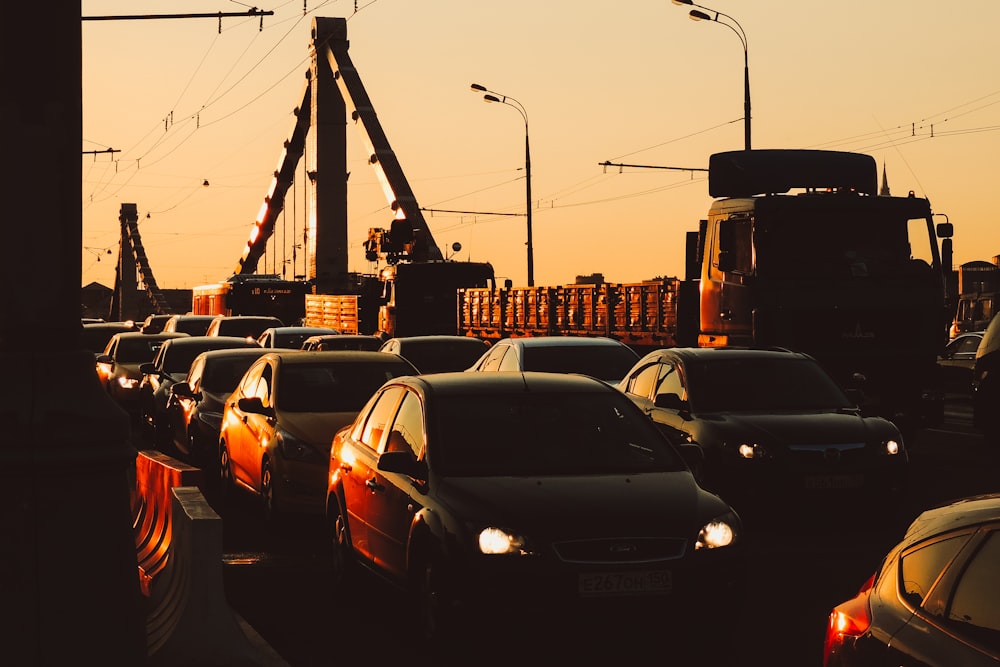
x=380 y=416
x=246 y=387
x=263 y=388
x=510 y=362
x=919 y=569
x=492 y=362
x=407 y=432
x=641 y=382
x=194 y=375
x=670 y=381
x=974 y=611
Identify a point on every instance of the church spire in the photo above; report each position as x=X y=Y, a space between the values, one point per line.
x=884 y=192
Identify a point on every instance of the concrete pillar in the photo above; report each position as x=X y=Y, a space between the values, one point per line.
x=69 y=591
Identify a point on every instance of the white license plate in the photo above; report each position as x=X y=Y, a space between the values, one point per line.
x=834 y=481
x=625 y=583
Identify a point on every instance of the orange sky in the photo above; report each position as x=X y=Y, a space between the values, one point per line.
x=181 y=103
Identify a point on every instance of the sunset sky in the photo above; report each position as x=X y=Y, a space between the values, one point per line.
x=914 y=84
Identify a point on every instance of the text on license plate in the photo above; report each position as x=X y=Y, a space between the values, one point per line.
x=625 y=583
x=834 y=481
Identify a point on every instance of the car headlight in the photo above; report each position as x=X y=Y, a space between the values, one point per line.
x=494 y=540
x=892 y=446
x=294 y=449
x=717 y=533
x=752 y=451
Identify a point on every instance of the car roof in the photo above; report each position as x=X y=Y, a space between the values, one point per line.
x=959 y=513
x=717 y=353
x=462 y=383
x=233 y=352
x=561 y=341
x=330 y=356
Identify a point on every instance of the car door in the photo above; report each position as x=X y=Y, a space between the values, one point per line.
x=236 y=429
x=259 y=428
x=396 y=497
x=659 y=377
x=357 y=458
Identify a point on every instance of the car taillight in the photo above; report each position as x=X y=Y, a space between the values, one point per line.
x=848 y=620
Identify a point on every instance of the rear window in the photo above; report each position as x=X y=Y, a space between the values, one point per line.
x=606 y=362
x=333 y=387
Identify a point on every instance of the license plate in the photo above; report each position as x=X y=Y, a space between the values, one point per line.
x=625 y=583
x=834 y=481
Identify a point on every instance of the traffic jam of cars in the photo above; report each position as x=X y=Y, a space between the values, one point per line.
x=569 y=477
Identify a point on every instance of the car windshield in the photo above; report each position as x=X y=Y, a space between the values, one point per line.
x=333 y=387
x=546 y=434
x=733 y=385
x=607 y=362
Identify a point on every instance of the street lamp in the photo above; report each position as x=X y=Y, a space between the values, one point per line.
x=735 y=26
x=492 y=96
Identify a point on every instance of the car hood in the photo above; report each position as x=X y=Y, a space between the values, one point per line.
x=315 y=428
x=796 y=428
x=574 y=507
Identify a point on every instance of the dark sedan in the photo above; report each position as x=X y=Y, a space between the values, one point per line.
x=957 y=361
x=172 y=362
x=437 y=353
x=195 y=404
x=529 y=499
x=933 y=600
x=773 y=424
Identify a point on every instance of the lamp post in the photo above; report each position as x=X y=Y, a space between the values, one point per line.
x=492 y=96
x=735 y=26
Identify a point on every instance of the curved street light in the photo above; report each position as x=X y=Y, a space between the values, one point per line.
x=735 y=26
x=499 y=98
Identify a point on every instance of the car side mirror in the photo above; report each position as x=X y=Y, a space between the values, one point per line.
x=669 y=401
x=182 y=389
x=105 y=359
x=404 y=463
x=148 y=368
x=255 y=406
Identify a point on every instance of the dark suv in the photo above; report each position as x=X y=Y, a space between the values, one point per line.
x=773 y=425
x=986 y=383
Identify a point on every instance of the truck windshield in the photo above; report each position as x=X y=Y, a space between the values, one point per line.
x=852 y=244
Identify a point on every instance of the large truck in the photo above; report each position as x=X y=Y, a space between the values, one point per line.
x=798 y=251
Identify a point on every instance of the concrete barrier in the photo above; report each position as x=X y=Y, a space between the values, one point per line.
x=179 y=552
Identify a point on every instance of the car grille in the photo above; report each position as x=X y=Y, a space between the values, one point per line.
x=621 y=550
x=832 y=454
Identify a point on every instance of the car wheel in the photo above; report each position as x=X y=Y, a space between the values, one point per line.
x=434 y=603
x=341 y=550
x=269 y=505
x=226 y=482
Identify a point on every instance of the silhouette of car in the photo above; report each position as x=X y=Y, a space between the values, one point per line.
x=170 y=365
x=94 y=336
x=604 y=358
x=154 y=323
x=277 y=425
x=437 y=353
x=194 y=406
x=196 y=325
x=957 y=361
x=244 y=326
x=776 y=429
x=527 y=498
x=342 y=342
x=986 y=384
x=290 y=338
x=933 y=599
x=118 y=365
